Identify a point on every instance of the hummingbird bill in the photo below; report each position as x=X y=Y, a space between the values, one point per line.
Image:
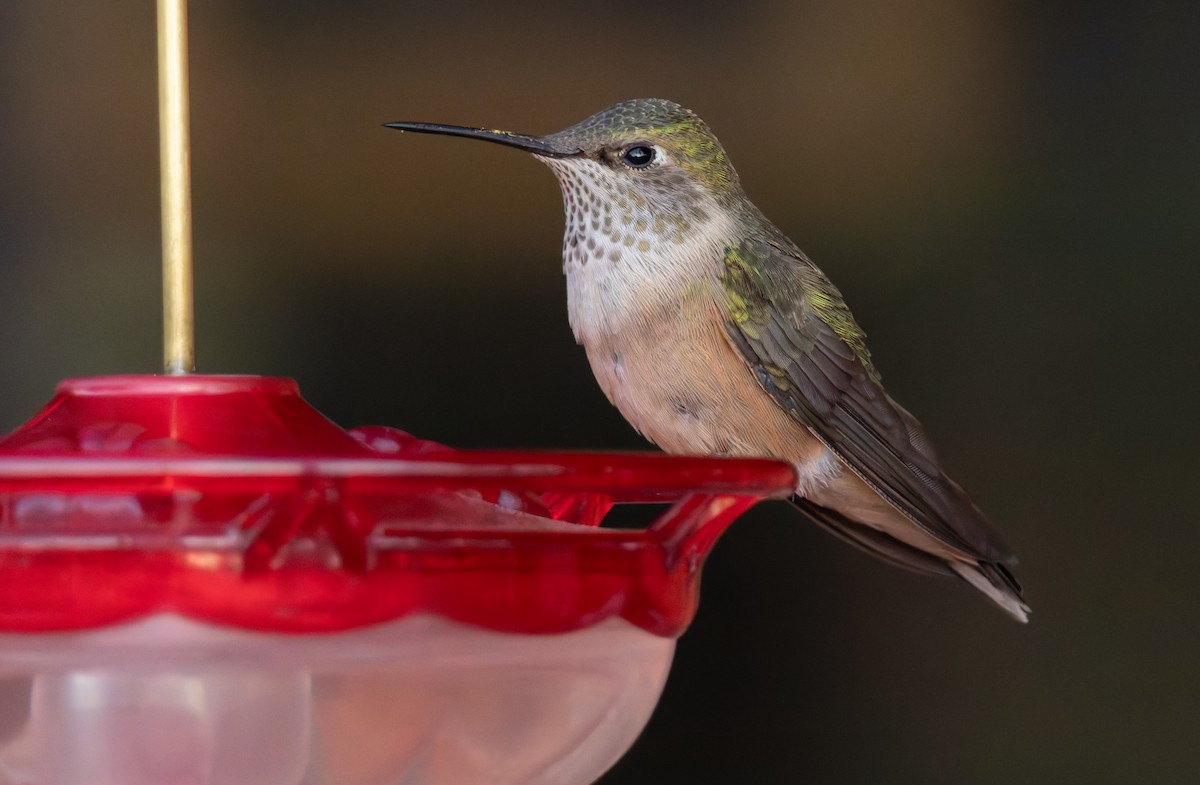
x=714 y=334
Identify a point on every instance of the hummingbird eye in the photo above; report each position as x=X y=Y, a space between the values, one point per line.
x=639 y=156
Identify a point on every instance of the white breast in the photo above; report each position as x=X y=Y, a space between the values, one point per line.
x=624 y=256
x=615 y=285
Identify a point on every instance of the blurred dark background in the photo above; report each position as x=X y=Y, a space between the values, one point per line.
x=1006 y=192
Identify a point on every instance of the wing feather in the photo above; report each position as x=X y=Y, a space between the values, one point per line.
x=792 y=327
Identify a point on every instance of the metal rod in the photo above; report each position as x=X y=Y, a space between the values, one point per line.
x=179 y=342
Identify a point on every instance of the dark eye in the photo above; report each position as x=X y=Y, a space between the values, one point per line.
x=639 y=156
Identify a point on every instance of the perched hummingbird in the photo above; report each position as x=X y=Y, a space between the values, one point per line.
x=714 y=334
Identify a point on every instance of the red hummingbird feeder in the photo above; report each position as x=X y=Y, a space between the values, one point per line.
x=203 y=580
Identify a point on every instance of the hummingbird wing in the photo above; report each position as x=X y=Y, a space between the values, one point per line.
x=791 y=325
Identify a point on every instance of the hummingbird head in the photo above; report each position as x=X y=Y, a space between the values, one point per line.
x=651 y=144
x=639 y=174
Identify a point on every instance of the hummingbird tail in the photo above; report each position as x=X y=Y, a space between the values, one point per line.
x=990 y=578
x=998 y=584
x=874 y=542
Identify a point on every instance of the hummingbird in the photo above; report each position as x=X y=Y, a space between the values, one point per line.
x=714 y=334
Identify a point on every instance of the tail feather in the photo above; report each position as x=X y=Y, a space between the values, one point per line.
x=997 y=583
x=990 y=578
x=874 y=542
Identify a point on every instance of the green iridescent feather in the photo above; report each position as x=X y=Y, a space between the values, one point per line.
x=793 y=328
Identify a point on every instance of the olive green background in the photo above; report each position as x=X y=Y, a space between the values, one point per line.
x=1006 y=192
